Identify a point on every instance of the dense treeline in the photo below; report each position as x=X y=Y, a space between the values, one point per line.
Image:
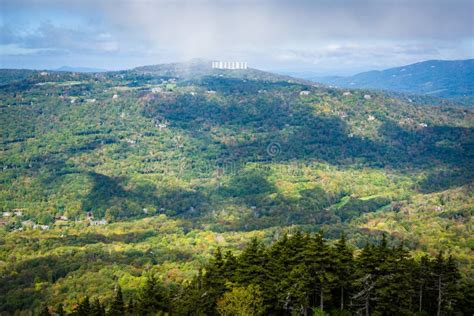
x=303 y=274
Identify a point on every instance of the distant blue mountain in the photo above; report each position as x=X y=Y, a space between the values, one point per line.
x=439 y=78
x=79 y=69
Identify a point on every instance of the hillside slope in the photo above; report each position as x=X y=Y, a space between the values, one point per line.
x=447 y=79
x=105 y=175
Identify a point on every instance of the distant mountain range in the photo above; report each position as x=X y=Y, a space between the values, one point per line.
x=440 y=78
x=79 y=69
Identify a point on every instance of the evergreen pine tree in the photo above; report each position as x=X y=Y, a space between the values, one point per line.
x=214 y=283
x=117 y=308
x=465 y=305
x=83 y=308
x=230 y=266
x=279 y=266
x=151 y=297
x=318 y=259
x=251 y=268
x=190 y=297
x=394 y=289
x=296 y=290
x=421 y=283
x=366 y=275
x=343 y=266
x=131 y=308
x=439 y=271
x=294 y=249
x=451 y=285
x=97 y=308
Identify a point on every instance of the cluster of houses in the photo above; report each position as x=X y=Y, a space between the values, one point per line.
x=348 y=93
x=13 y=213
x=7 y=215
x=18 y=213
x=411 y=123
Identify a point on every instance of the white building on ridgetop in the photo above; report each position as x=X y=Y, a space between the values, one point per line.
x=229 y=65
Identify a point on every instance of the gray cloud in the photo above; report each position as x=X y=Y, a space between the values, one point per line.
x=265 y=31
x=206 y=26
x=53 y=37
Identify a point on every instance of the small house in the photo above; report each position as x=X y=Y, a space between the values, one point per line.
x=161 y=126
x=42 y=227
x=98 y=223
x=61 y=218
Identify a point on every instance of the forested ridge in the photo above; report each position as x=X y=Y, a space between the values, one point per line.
x=447 y=79
x=111 y=176
x=300 y=274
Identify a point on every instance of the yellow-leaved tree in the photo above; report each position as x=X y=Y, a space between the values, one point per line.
x=241 y=301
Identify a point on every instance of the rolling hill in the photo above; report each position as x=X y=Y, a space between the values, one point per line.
x=107 y=176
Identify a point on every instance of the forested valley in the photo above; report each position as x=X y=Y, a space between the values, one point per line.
x=181 y=189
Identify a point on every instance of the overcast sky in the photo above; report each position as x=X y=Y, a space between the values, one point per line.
x=323 y=37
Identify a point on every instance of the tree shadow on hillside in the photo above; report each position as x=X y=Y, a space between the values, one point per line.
x=437 y=181
x=247 y=183
x=108 y=195
x=270 y=210
x=315 y=207
x=94 y=238
x=298 y=134
x=444 y=152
